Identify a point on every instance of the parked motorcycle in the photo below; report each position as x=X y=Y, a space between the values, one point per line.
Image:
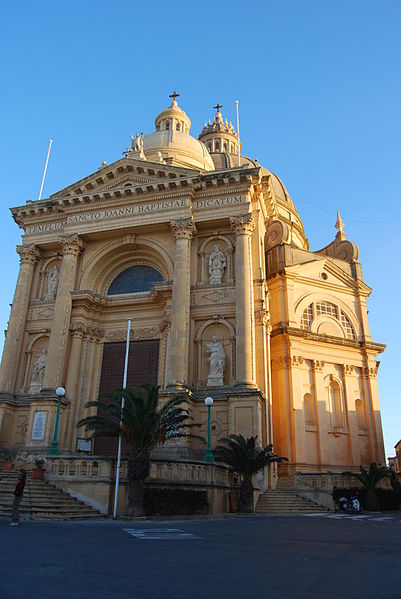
x=351 y=505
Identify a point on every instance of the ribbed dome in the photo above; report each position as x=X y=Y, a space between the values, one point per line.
x=284 y=205
x=172 y=143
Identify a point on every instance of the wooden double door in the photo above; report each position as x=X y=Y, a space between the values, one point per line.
x=143 y=362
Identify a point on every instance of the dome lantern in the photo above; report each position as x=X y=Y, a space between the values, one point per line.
x=219 y=136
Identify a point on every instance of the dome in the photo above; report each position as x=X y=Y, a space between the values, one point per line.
x=172 y=143
x=284 y=207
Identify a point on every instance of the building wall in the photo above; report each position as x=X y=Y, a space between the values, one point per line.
x=280 y=381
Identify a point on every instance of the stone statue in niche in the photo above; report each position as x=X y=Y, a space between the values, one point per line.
x=38 y=372
x=217 y=264
x=217 y=360
x=52 y=283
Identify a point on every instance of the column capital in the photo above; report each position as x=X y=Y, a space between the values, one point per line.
x=263 y=317
x=72 y=244
x=77 y=330
x=183 y=228
x=29 y=254
x=243 y=224
x=348 y=369
x=318 y=365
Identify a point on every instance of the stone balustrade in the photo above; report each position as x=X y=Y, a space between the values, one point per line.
x=326 y=480
x=91 y=478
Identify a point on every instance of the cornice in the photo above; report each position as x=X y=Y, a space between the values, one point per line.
x=171 y=185
x=296 y=332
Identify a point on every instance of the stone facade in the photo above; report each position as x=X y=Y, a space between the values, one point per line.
x=294 y=363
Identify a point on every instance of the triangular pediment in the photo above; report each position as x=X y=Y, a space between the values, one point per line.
x=327 y=272
x=126 y=172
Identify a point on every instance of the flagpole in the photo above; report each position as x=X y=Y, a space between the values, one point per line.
x=122 y=407
x=44 y=172
x=239 y=147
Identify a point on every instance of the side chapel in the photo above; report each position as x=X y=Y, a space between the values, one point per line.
x=209 y=258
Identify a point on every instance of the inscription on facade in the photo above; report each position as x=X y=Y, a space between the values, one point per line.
x=216 y=202
x=140 y=209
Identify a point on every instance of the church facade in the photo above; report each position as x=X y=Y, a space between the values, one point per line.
x=206 y=253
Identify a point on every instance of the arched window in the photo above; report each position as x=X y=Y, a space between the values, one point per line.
x=349 y=331
x=319 y=308
x=134 y=280
x=336 y=408
x=307 y=317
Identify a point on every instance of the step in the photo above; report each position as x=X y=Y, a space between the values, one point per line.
x=42 y=501
x=279 y=501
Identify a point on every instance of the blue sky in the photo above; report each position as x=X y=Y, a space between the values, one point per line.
x=320 y=104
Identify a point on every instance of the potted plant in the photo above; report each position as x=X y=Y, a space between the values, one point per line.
x=5 y=459
x=38 y=473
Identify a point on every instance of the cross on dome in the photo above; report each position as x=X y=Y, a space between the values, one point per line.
x=174 y=95
x=218 y=106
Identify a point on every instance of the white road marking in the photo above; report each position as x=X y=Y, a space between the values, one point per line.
x=159 y=533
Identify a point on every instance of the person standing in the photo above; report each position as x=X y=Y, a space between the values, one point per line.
x=18 y=495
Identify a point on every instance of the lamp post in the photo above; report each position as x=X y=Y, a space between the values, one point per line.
x=53 y=449
x=209 y=457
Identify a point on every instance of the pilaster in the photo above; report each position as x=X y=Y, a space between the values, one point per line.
x=29 y=255
x=243 y=227
x=72 y=245
x=322 y=411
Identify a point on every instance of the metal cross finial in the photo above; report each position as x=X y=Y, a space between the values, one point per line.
x=218 y=106
x=174 y=95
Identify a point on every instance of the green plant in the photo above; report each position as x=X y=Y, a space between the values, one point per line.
x=144 y=424
x=246 y=458
x=369 y=479
x=5 y=455
x=39 y=463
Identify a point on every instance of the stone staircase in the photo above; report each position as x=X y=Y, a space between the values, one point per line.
x=286 y=501
x=41 y=501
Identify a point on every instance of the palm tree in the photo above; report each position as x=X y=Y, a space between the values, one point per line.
x=246 y=458
x=144 y=423
x=369 y=479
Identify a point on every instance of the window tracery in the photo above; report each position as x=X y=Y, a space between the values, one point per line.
x=321 y=308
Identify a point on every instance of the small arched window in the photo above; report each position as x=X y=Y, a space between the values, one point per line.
x=134 y=280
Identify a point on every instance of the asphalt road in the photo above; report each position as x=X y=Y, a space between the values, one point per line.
x=256 y=556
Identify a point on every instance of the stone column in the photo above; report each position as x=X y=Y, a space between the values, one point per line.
x=29 y=255
x=177 y=358
x=72 y=246
x=243 y=227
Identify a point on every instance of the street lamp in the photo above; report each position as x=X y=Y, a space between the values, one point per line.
x=209 y=457
x=53 y=449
